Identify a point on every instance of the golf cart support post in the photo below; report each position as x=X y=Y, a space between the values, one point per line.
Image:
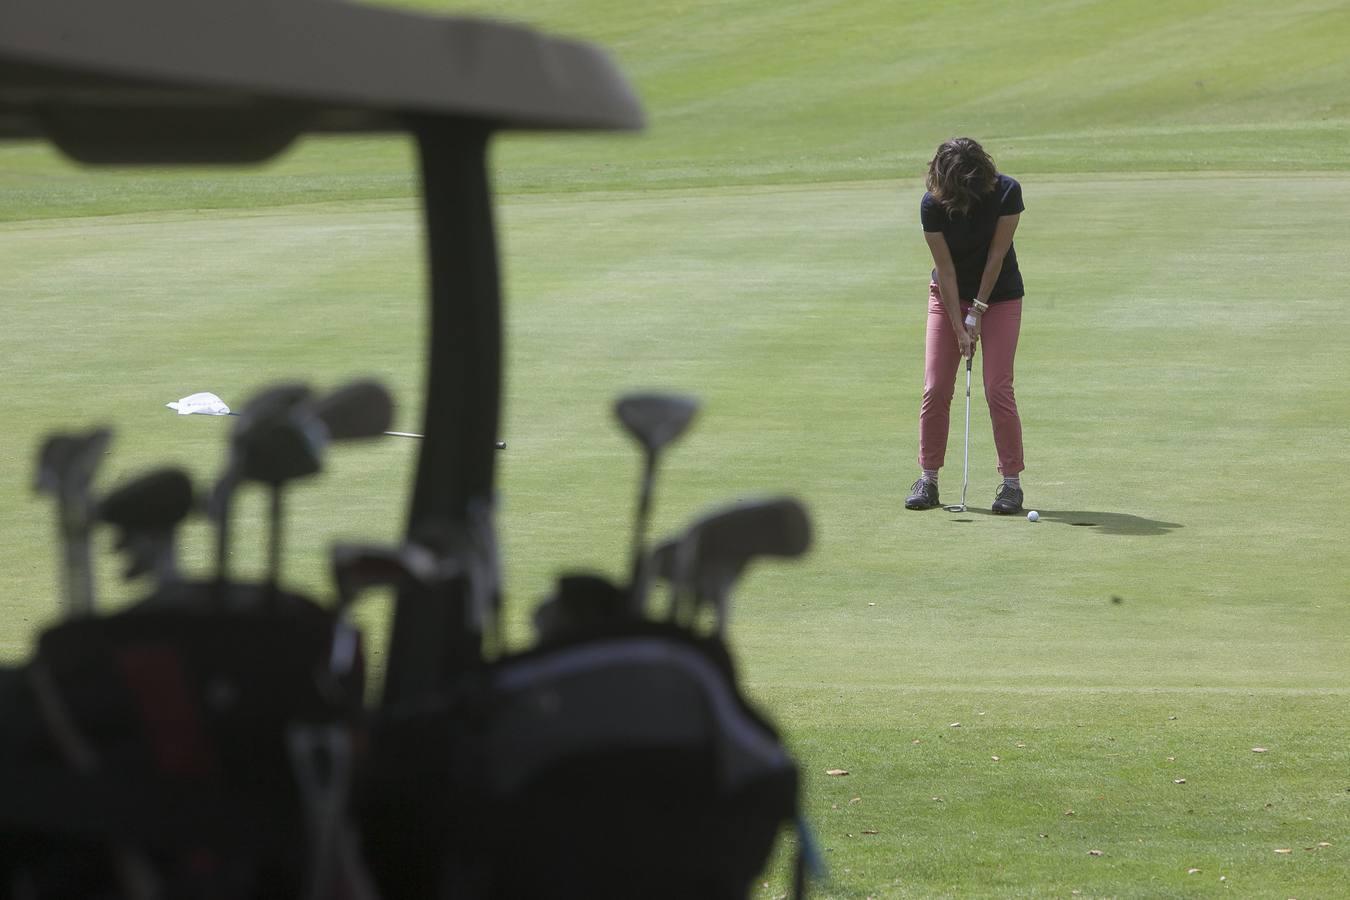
x=216 y=82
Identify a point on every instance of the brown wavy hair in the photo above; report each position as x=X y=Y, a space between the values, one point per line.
x=960 y=174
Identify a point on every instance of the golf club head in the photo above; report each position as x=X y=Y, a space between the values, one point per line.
x=272 y=402
x=145 y=511
x=274 y=441
x=719 y=546
x=468 y=549
x=66 y=467
x=777 y=527
x=668 y=562
x=580 y=602
x=655 y=420
x=278 y=451
x=53 y=462
x=67 y=462
x=267 y=445
x=357 y=410
x=665 y=560
x=142 y=553
x=155 y=501
x=357 y=567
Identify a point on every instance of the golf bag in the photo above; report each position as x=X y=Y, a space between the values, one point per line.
x=212 y=742
x=621 y=763
x=181 y=748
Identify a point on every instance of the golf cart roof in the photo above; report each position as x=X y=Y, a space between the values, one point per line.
x=191 y=81
x=235 y=81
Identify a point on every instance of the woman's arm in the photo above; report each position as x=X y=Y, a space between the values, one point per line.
x=993 y=264
x=946 y=277
x=998 y=250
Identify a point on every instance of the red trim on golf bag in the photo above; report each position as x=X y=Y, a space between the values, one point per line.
x=169 y=712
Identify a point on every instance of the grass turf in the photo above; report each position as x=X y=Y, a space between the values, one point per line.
x=1180 y=386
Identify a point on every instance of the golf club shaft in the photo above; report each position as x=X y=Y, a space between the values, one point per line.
x=78 y=571
x=637 y=569
x=166 y=563
x=965 y=470
x=500 y=445
x=274 y=542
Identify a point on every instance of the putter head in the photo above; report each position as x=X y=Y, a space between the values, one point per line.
x=358 y=410
x=655 y=420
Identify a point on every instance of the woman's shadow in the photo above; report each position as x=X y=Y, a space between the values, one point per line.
x=1109 y=523
x=1102 y=522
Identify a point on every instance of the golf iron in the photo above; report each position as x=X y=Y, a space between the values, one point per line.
x=260 y=440
x=704 y=563
x=66 y=467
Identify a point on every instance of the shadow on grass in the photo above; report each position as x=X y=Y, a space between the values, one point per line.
x=1108 y=522
x=1103 y=522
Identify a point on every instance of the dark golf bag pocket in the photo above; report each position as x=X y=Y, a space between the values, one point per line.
x=618 y=767
x=162 y=739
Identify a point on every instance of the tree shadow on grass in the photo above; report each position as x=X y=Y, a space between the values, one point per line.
x=1109 y=522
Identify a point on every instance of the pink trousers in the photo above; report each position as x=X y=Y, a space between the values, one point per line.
x=942 y=358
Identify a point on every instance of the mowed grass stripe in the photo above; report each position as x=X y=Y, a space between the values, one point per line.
x=762 y=92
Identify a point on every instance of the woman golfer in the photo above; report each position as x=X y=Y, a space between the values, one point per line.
x=969 y=215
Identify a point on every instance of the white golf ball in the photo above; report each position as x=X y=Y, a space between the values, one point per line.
x=1033 y=516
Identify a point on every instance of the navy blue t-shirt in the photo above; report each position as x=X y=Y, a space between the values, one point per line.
x=969 y=236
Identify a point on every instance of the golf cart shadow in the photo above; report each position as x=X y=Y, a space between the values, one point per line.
x=1109 y=522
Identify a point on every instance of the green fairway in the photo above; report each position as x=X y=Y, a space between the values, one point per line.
x=1157 y=670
